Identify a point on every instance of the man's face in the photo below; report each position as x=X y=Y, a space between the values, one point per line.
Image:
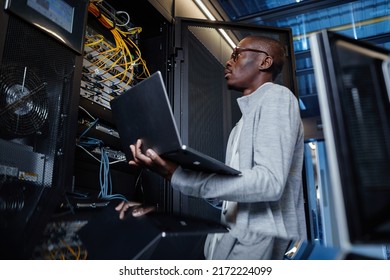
x=242 y=69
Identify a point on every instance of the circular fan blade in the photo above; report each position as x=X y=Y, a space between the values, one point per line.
x=23 y=101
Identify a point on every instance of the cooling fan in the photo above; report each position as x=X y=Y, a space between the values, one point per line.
x=23 y=101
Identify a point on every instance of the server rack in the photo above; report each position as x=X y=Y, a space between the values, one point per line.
x=146 y=41
x=40 y=70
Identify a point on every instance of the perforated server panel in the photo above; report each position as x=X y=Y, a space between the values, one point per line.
x=39 y=83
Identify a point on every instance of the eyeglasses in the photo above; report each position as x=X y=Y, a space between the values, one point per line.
x=238 y=50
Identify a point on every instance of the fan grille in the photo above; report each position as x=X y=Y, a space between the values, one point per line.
x=23 y=101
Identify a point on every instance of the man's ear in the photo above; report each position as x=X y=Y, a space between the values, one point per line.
x=266 y=63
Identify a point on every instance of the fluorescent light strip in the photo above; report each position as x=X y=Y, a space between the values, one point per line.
x=227 y=38
x=205 y=10
x=211 y=17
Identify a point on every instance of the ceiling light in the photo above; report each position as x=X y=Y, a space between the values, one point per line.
x=227 y=38
x=205 y=10
x=210 y=16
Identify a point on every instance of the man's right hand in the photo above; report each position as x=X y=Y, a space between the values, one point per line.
x=152 y=161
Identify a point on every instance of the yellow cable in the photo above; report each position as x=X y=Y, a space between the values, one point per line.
x=125 y=54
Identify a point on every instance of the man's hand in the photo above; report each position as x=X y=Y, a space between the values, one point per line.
x=137 y=209
x=152 y=161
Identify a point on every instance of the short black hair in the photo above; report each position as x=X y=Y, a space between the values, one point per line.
x=275 y=49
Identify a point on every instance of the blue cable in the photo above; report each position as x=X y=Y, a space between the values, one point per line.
x=105 y=175
x=92 y=125
x=105 y=179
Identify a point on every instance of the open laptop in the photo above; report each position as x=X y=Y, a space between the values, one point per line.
x=144 y=112
x=152 y=236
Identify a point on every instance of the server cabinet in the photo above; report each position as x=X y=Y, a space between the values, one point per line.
x=40 y=69
x=122 y=47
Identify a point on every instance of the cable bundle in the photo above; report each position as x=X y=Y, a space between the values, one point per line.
x=123 y=61
x=105 y=176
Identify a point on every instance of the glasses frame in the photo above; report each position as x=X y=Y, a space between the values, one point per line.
x=238 y=50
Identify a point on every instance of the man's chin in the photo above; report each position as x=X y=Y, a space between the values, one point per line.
x=231 y=87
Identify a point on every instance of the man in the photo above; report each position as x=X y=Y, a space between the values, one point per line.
x=263 y=208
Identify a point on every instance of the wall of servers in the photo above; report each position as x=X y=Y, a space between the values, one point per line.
x=38 y=116
x=112 y=63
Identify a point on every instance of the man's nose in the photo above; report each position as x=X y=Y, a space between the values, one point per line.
x=228 y=63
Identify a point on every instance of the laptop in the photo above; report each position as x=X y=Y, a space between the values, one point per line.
x=144 y=112
x=153 y=236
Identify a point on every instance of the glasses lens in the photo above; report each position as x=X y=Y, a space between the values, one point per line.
x=237 y=51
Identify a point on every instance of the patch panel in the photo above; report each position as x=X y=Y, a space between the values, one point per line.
x=112 y=154
x=103 y=76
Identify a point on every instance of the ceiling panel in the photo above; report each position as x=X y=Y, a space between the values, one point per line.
x=238 y=9
x=252 y=11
